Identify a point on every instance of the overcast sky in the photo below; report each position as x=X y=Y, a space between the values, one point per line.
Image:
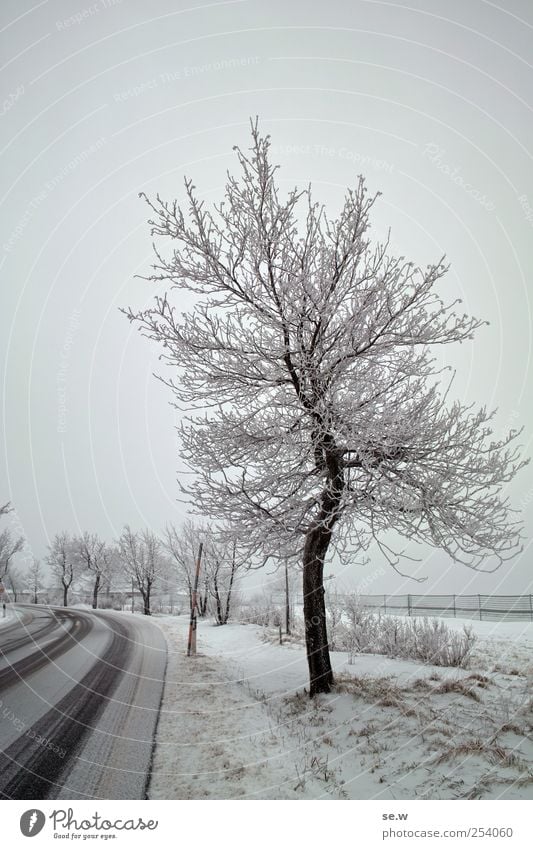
x=431 y=100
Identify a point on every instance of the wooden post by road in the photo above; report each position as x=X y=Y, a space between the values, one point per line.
x=191 y=645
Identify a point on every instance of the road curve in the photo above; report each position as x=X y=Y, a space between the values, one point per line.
x=80 y=693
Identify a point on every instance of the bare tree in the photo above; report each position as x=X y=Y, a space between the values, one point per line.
x=59 y=558
x=142 y=560
x=8 y=548
x=182 y=546
x=94 y=556
x=223 y=562
x=320 y=425
x=33 y=580
x=112 y=574
x=9 y=545
x=15 y=580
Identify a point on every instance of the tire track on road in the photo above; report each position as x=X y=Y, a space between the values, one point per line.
x=42 y=655
x=29 y=769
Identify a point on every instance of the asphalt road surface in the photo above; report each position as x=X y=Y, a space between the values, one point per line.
x=79 y=699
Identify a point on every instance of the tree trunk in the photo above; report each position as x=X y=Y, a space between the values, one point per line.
x=202 y=600
x=316 y=637
x=230 y=588
x=65 y=596
x=217 y=599
x=146 y=600
x=95 y=591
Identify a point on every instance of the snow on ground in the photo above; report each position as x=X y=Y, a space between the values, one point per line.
x=10 y=615
x=236 y=723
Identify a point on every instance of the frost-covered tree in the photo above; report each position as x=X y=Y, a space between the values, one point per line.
x=14 y=579
x=182 y=544
x=315 y=419
x=93 y=556
x=9 y=545
x=60 y=559
x=142 y=561
x=223 y=564
x=34 y=580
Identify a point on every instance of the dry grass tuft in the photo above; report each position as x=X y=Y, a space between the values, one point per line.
x=458 y=686
x=377 y=690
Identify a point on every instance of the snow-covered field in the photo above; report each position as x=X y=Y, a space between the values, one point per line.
x=236 y=723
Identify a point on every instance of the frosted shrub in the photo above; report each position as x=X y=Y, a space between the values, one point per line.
x=362 y=627
x=334 y=613
x=394 y=636
x=259 y=612
x=427 y=640
x=434 y=643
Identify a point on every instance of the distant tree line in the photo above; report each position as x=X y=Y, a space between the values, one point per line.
x=139 y=563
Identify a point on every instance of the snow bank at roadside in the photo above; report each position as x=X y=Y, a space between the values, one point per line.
x=10 y=615
x=236 y=723
x=215 y=739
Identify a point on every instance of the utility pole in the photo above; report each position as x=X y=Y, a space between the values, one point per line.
x=191 y=645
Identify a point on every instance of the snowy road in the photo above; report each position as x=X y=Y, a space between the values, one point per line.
x=79 y=699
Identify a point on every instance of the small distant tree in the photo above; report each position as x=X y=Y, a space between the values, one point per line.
x=182 y=544
x=223 y=562
x=316 y=420
x=9 y=547
x=94 y=558
x=59 y=558
x=14 y=580
x=112 y=576
x=142 y=561
x=33 y=580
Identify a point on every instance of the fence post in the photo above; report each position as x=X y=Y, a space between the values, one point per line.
x=385 y=604
x=408 y=605
x=479 y=605
x=454 y=610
